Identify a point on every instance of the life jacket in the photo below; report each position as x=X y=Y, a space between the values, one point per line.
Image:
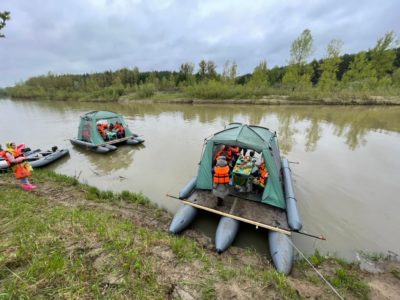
x=235 y=150
x=102 y=128
x=263 y=175
x=17 y=153
x=119 y=128
x=221 y=174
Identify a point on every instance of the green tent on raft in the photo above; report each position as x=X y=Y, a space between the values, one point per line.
x=87 y=130
x=258 y=138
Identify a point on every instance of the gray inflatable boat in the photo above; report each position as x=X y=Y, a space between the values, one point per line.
x=38 y=158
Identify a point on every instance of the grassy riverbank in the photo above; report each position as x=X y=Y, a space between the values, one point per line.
x=70 y=240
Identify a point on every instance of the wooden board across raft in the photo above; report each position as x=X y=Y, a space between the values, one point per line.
x=251 y=212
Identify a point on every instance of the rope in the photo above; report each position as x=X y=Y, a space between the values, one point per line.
x=319 y=274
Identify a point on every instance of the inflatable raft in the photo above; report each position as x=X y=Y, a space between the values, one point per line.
x=38 y=158
x=274 y=209
x=103 y=131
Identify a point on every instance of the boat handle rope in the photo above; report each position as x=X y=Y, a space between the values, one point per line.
x=318 y=273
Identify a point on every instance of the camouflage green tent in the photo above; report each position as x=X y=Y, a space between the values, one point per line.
x=87 y=130
x=258 y=138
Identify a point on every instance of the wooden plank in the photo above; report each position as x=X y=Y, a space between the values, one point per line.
x=257 y=224
x=115 y=141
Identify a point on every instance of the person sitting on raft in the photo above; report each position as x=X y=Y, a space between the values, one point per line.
x=262 y=174
x=120 y=130
x=102 y=127
x=22 y=170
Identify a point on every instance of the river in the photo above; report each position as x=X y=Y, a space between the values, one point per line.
x=347 y=169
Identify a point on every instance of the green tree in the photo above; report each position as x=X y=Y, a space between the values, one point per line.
x=396 y=78
x=275 y=75
x=185 y=74
x=229 y=72
x=4 y=16
x=259 y=77
x=202 y=73
x=382 y=56
x=298 y=73
x=330 y=66
x=211 y=70
x=135 y=75
x=361 y=74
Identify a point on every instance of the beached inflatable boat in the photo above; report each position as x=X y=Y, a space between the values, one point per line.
x=103 y=132
x=38 y=158
x=273 y=208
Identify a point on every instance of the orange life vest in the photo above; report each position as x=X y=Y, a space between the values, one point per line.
x=102 y=129
x=119 y=128
x=263 y=175
x=221 y=174
x=21 y=169
x=17 y=153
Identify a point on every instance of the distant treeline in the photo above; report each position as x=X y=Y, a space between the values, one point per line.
x=375 y=72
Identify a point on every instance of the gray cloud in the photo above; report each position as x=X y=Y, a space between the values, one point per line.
x=95 y=35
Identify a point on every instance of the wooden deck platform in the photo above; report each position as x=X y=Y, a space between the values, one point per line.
x=252 y=212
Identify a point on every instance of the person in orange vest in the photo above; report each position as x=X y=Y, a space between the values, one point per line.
x=235 y=153
x=16 y=160
x=101 y=127
x=120 y=130
x=261 y=180
x=221 y=180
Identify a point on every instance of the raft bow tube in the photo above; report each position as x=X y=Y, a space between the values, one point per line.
x=134 y=141
x=96 y=148
x=186 y=213
x=281 y=250
x=291 y=202
x=188 y=188
x=184 y=216
x=226 y=233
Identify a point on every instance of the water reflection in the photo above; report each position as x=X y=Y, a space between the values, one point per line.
x=349 y=122
x=105 y=164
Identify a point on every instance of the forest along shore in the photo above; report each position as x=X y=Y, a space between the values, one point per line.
x=69 y=239
x=366 y=77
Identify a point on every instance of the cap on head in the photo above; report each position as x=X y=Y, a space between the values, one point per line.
x=221 y=162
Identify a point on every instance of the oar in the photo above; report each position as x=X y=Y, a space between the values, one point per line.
x=311 y=235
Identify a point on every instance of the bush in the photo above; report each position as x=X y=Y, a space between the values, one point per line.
x=146 y=90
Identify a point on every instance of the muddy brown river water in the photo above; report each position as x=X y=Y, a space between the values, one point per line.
x=347 y=179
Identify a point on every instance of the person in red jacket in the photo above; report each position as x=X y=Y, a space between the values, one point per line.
x=120 y=130
x=16 y=160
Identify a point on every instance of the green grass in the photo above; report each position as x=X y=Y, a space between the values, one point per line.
x=348 y=280
x=186 y=249
x=279 y=282
x=52 y=252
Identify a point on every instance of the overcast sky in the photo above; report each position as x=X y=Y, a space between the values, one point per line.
x=77 y=36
